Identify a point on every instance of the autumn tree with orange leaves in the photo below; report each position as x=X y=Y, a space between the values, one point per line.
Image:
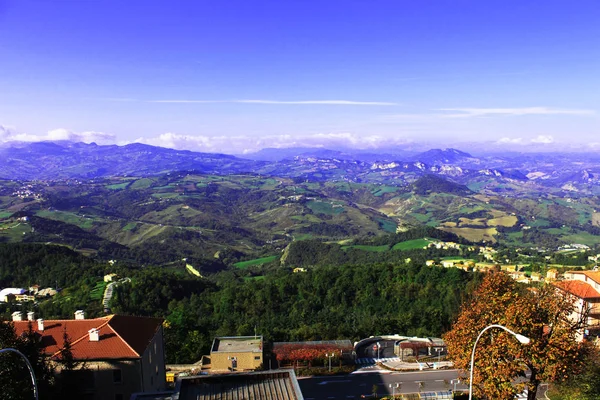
x=542 y=314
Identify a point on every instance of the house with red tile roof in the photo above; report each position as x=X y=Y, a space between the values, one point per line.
x=118 y=355
x=585 y=287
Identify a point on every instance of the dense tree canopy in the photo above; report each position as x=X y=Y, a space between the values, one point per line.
x=347 y=302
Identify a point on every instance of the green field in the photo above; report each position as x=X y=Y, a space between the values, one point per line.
x=380 y=191
x=118 y=186
x=130 y=226
x=376 y=249
x=387 y=225
x=98 y=291
x=143 y=183
x=256 y=261
x=5 y=214
x=68 y=217
x=323 y=207
x=411 y=244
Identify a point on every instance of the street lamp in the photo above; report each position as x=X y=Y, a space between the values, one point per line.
x=454 y=381
x=329 y=356
x=394 y=386
x=522 y=339
x=35 y=389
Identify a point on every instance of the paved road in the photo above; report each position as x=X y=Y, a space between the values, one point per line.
x=349 y=387
x=352 y=386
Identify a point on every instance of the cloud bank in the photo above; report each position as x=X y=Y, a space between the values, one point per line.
x=540 y=139
x=10 y=135
x=485 y=112
x=245 y=144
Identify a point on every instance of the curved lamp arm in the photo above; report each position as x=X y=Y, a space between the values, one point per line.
x=522 y=339
x=35 y=389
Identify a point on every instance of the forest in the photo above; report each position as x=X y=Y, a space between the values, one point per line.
x=327 y=302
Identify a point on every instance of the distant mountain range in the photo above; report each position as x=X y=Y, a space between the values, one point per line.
x=516 y=172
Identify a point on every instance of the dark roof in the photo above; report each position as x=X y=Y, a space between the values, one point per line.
x=267 y=385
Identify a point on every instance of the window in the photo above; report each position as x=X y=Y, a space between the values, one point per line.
x=117 y=378
x=257 y=357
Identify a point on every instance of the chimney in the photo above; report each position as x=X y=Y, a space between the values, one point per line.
x=17 y=316
x=79 y=314
x=30 y=316
x=40 y=324
x=94 y=335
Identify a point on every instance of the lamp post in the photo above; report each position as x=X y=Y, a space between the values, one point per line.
x=31 y=373
x=329 y=356
x=454 y=381
x=394 y=386
x=522 y=339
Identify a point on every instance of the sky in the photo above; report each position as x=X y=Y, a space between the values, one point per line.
x=237 y=76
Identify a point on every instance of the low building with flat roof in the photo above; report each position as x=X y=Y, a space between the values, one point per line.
x=237 y=353
x=264 y=385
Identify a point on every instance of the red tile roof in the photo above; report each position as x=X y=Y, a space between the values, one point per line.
x=121 y=337
x=578 y=288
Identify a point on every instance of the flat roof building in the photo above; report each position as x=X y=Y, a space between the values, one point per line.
x=237 y=353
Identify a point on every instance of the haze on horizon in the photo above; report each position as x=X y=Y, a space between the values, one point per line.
x=238 y=76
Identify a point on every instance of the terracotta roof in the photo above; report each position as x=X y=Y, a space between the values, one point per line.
x=593 y=275
x=578 y=288
x=121 y=337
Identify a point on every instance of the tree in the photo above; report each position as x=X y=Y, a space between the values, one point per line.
x=67 y=382
x=542 y=314
x=584 y=386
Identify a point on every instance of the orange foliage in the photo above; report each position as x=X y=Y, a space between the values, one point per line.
x=541 y=314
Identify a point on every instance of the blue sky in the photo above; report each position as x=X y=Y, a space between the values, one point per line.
x=235 y=76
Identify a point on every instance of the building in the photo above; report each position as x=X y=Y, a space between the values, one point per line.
x=585 y=287
x=7 y=293
x=265 y=385
x=237 y=353
x=119 y=355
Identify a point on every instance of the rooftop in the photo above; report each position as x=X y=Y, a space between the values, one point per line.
x=578 y=288
x=120 y=337
x=268 y=385
x=237 y=344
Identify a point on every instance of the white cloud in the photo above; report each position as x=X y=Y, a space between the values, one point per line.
x=543 y=139
x=507 y=140
x=9 y=135
x=482 y=112
x=187 y=142
x=298 y=102
x=245 y=144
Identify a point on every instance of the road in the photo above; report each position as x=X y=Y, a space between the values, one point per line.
x=352 y=386
x=349 y=387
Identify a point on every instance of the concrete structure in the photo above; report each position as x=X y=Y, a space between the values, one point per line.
x=119 y=355
x=407 y=345
x=237 y=353
x=7 y=292
x=265 y=385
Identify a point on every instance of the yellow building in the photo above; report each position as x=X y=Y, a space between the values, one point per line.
x=237 y=353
